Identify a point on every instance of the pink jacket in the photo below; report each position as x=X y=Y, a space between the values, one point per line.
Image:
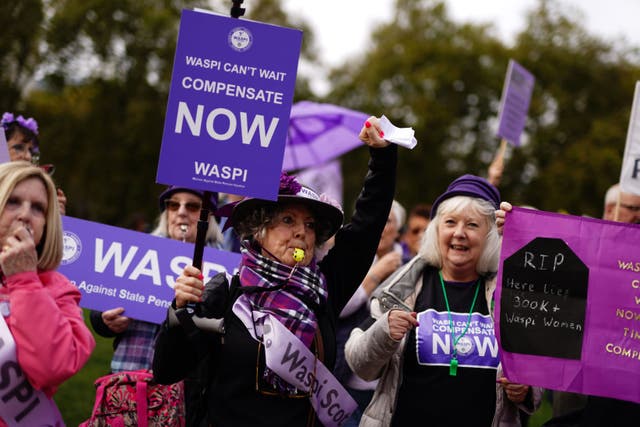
x=52 y=341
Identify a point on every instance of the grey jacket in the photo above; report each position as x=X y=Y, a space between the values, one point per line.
x=373 y=354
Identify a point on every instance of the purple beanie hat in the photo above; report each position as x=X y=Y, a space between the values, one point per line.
x=472 y=186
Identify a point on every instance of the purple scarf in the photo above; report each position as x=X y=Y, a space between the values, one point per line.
x=291 y=294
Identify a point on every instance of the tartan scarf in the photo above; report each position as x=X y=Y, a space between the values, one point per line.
x=291 y=294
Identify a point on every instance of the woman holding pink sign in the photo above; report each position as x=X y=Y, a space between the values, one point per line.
x=430 y=340
x=269 y=363
x=43 y=338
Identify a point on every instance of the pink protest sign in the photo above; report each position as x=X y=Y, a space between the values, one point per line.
x=568 y=304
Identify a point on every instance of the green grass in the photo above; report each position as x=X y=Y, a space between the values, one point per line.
x=76 y=396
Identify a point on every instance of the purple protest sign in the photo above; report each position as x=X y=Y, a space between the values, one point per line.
x=476 y=348
x=229 y=104
x=568 y=304
x=514 y=104
x=115 y=267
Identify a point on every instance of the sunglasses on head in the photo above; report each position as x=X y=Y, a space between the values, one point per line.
x=173 y=206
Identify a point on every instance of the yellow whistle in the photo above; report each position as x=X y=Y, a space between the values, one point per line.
x=298 y=254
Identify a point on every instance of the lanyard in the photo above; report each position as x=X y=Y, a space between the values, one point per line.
x=453 y=365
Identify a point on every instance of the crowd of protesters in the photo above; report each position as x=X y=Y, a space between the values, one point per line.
x=358 y=301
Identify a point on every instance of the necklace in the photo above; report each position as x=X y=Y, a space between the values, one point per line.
x=453 y=364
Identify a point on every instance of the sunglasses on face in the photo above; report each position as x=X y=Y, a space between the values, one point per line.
x=173 y=206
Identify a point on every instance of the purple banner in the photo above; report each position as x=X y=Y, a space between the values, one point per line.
x=514 y=104
x=568 y=304
x=115 y=267
x=229 y=104
x=477 y=348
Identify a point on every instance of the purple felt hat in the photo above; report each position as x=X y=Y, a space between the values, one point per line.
x=327 y=215
x=472 y=186
x=211 y=203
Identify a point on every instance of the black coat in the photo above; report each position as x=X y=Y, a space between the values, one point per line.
x=231 y=360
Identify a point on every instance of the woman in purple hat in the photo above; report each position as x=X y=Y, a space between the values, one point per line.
x=270 y=362
x=179 y=213
x=430 y=341
x=22 y=142
x=133 y=342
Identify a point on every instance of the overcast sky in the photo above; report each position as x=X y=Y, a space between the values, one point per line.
x=342 y=27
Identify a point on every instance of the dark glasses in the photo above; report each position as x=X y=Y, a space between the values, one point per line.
x=173 y=206
x=267 y=389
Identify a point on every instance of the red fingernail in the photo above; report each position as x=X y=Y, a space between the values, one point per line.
x=200 y=276
x=381 y=134
x=367 y=124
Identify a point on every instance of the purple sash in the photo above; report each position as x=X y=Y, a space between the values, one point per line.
x=292 y=361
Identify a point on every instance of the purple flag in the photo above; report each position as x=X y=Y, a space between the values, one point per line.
x=229 y=104
x=568 y=304
x=115 y=267
x=516 y=96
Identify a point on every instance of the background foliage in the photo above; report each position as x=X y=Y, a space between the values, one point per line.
x=445 y=80
x=95 y=74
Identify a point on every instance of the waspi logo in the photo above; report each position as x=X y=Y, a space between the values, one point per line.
x=240 y=39
x=71 y=247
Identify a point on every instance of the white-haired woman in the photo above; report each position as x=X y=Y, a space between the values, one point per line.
x=133 y=343
x=179 y=214
x=430 y=341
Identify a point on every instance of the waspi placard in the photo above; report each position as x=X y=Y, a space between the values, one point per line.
x=229 y=104
x=568 y=304
x=115 y=267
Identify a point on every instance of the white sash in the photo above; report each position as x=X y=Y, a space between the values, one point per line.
x=292 y=361
x=20 y=403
